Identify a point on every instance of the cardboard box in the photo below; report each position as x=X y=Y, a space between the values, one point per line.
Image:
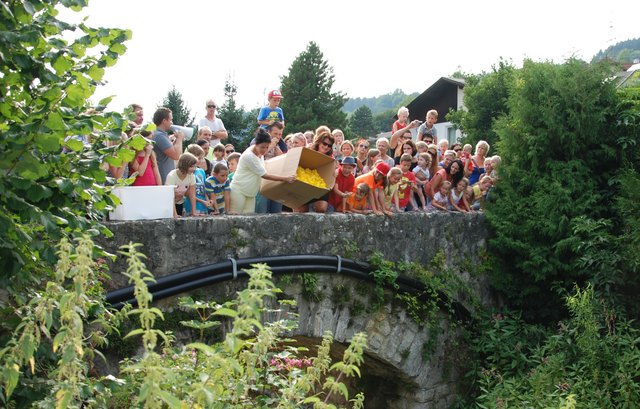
x=298 y=193
x=143 y=202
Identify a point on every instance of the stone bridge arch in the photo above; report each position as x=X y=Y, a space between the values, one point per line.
x=408 y=365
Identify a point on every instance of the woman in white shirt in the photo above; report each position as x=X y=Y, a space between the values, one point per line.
x=245 y=184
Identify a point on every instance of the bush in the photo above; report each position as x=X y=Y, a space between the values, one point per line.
x=590 y=362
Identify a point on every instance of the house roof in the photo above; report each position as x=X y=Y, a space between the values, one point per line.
x=441 y=96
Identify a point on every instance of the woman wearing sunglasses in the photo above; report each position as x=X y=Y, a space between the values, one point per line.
x=322 y=142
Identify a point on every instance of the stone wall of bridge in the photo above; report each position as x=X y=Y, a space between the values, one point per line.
x=408 y=365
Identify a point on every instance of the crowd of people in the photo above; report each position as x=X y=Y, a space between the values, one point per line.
x=410 y=171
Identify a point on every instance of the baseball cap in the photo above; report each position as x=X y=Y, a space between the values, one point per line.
x=275 y=94
x=383 y=168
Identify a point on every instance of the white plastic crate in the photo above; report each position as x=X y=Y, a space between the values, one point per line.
x=143 y=202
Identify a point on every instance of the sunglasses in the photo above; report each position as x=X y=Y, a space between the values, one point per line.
x=363 y=146
x=230 y=151
x=211 y=106
x=328 y=145
x=457 y=150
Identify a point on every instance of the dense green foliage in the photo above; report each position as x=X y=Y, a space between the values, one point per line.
x=46 y=79
x=382 y=103
x=624 y=51
x=485 y=97
x=361 y=122
x=308 y=97
x=565 y=212
x=181 y=112
x=238 y=123
x=559 y=144
x=590 y=362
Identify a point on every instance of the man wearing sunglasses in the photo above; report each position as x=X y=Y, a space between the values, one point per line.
x=218 y=131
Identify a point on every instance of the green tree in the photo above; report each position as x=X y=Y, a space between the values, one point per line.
x=559 y=139
x=180 y=110
x=53 y=150
x=361 y=122
x=485 y=99
x=383 y=121
x=237 y=122
x=308 y=100
x=46 y=81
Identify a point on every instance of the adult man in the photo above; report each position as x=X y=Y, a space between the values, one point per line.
x=218 y=131
x=167 y=152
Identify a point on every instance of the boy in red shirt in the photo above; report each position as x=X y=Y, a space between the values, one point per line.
x=343 y=188
x=408 y=185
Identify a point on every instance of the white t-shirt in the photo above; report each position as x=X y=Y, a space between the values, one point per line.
x=181 y=184
x=215 y=125
x=246 y=180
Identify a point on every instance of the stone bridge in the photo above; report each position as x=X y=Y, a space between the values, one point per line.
x=409 y=363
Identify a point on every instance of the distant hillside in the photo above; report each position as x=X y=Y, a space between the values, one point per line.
x=380 y=103
x=623 y=52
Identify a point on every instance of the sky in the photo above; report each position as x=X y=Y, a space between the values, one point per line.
x=374 y=47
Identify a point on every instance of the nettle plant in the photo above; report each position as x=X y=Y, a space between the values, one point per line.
x=255 y=366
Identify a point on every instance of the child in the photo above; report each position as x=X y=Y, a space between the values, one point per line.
x=422 y=170
x=343 y=188
x=232 y=162
x=421 y=147
x=357 y=203
x=204 y=144
x=372 y=157
x=272 y=112
x=185 y=182
x=440 y=198
x=466 y=159
x=218 y=154
x=217 y=187
x=145 y=164
x=479 y=192
x=346 y=149
x=203 y=204
x=408 y=184
x=376 y=180
x=457 y=197
x=390 y=191
x=427 y=131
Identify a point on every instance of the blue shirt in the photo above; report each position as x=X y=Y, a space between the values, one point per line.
x=268 y=114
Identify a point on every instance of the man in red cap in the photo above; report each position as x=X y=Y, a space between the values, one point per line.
x=272 y=112
x=375 y=180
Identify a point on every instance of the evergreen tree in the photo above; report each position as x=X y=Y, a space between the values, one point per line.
x=361 y=122
x=308 y=101
x=181 y=112
x=558 y=141
x=238 y=123
x=383 y=121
